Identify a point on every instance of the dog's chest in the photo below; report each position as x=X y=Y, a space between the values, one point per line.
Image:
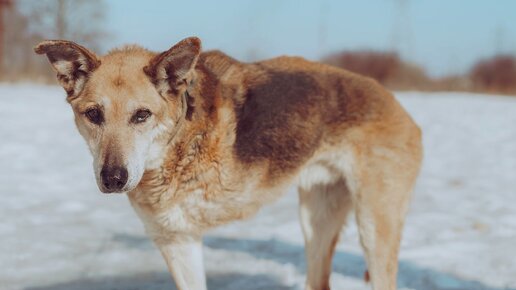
x=197 y=211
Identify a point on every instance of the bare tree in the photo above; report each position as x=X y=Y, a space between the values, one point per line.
x=30 y=21
x=77 y=20
x=19 y=60
x=3 y=5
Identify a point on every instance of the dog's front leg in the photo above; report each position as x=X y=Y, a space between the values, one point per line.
x=185 y=262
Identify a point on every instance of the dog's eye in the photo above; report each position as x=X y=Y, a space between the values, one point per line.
x=95 y=116
x=140 y=116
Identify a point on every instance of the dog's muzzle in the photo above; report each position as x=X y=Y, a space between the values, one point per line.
x=113 y=178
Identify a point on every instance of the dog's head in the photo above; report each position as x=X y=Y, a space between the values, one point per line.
x=126 y=104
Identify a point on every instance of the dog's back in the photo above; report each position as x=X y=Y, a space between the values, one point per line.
x=289 y=108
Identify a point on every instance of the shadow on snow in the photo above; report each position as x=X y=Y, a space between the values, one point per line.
x=347 y=264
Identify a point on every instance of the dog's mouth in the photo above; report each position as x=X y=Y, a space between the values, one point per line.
x=105 y=190
x=108 y=190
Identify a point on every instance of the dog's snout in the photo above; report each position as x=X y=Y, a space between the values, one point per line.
x=113 y=178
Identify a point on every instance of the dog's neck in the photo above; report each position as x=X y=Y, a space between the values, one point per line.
x=197 y=153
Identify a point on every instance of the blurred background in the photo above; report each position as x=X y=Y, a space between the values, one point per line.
x=423 y=45
x=452 y=65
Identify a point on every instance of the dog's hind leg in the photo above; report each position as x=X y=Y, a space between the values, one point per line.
x=323 y=211
x=380 y=204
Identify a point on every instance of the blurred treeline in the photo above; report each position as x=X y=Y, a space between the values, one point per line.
x=24 y=23
x=496 y=74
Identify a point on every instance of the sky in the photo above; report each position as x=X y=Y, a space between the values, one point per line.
x=445 y=37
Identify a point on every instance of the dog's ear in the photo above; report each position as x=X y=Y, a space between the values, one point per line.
x=72 y=62
x=172 y=70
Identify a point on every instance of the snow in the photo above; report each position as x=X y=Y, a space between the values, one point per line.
x=59 y=232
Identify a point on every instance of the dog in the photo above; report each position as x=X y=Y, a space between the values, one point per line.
x=199 y=139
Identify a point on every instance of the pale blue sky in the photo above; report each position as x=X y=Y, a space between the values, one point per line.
x=443 y=36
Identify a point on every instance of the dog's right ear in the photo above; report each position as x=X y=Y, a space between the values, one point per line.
x=72 y=62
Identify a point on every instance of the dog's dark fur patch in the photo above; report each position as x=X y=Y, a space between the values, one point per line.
x=279 y=120
x=209 y=92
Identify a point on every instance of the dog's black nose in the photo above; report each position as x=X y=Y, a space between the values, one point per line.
x=113 y=178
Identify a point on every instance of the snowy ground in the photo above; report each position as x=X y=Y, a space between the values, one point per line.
x=59 y=232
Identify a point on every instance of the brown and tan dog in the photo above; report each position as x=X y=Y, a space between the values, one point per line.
x=200 y=139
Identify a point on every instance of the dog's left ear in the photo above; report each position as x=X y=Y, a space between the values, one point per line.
x=72 y=62
x=173 y=70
